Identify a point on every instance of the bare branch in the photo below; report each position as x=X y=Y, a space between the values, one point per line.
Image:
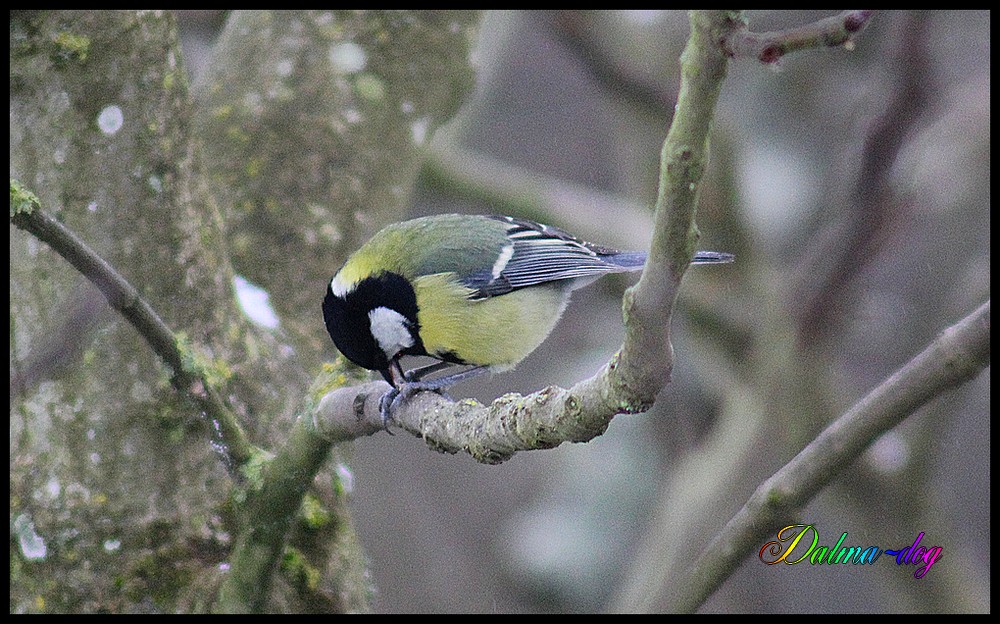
x=647 y=356
x=630 y=382
x=26 y=214
x=277 y=483
x=769 y=47
x=490 y=434
x=957 y=355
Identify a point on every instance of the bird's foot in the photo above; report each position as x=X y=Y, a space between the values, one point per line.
x=406 y=391
x=413 y=385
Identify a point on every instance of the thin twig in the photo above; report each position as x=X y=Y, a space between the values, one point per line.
x=954 y=357
x=26 y=214
x=769 y=47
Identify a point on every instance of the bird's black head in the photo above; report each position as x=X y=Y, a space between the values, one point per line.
x=374 y=321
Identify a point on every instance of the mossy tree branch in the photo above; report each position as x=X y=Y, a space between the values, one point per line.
x=646 y=356
x=270 y=488
x=630 y=382
x=228 y=434
x=272 y=504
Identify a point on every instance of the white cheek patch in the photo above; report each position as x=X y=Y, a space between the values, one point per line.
x=390 y=330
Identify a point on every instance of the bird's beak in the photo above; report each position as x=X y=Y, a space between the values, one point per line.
x=395 y=377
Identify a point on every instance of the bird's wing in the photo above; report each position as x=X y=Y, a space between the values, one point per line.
x=535 y=254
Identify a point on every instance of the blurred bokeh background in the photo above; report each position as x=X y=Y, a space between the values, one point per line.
x=565 y=126
x=853 y=187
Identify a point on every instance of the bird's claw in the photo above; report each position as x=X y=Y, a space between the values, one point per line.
x=385 y=406
x=405 y=392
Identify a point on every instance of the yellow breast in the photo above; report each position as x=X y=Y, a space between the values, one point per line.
x=497 y=331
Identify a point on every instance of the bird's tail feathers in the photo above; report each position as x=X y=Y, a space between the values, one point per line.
x=712 y=257
x=635 y=260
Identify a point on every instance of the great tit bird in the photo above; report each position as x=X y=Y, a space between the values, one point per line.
x=482 y=291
